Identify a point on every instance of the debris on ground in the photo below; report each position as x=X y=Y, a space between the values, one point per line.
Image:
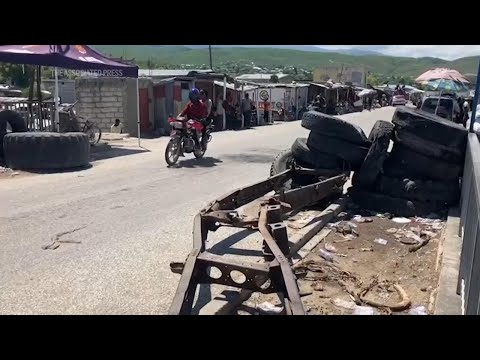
x=401 y=220
x=364 y=310
x=419 y=310
x=269 y=308
x=380 y=241
x=326 y=255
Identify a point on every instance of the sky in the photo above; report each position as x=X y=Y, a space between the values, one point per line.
x=448 y=52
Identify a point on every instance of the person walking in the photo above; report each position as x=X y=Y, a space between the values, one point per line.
x=246 y=109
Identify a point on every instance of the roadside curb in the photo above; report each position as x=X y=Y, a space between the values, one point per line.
x=447 y=301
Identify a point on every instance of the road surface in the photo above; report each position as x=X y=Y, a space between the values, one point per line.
x=121 y=222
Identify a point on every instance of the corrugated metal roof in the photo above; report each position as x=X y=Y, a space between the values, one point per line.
x=170 y=72
x=232 y=86
x=259 y=76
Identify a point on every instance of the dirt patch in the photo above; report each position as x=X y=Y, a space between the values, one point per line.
x=378 y=267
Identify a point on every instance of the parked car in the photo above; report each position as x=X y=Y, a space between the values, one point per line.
x=444 y=106
x=399 y=100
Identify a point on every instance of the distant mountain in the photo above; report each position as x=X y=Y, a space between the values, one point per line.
x=309 y=48
x=238 y=59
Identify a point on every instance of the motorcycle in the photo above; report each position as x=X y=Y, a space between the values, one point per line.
x=182 y=139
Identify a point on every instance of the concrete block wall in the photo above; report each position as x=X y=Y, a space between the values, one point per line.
x=102 y=100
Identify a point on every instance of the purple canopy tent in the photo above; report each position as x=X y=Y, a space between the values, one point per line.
x=72 y=57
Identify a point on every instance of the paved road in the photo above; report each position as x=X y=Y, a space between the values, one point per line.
x=132 y=216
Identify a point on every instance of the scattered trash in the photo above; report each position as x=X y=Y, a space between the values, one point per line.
x=411 y=235
x=359 y=218
x=330 y=248
x=437 y=226
x=345 y=228
x=15 y=173
x=269 y=308
x=349 y=223
x=424 y=289
x=401 y=220
x=398 y=236
x=364 y=310
x=349 y=237
x=381 y=241
x=392 y=230
x=366 y=249
x=419 y=310
x=318 y=287
x=346 y=304
x=430 y=234
x=305 y=290
x=326 y=255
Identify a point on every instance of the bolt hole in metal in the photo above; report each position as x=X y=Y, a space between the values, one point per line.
x=237 y=277
x=214 y=272
x=262 y=282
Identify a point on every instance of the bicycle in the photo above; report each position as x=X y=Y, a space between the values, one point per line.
x=88 y=127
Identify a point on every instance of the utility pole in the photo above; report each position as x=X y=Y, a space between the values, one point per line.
x=210 y=54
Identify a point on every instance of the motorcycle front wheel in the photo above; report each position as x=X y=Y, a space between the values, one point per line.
x=172 y=152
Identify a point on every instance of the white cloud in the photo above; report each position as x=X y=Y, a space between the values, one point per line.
x=448 y=52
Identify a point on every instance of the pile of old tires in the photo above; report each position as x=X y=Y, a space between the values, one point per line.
x=333 y=146
x=421 y=174
x=418 y=177
x=23 y=150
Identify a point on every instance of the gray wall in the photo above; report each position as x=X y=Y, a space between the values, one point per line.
x=102 y=100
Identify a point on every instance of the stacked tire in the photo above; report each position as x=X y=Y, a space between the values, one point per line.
x=421 y=174
x=16 y=122
x=333 y=146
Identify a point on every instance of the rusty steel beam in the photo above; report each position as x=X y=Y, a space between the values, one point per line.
x=287 y=276
x=312 y=194
x=273 y=276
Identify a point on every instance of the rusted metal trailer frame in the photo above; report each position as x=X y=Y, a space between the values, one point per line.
x=273 y=276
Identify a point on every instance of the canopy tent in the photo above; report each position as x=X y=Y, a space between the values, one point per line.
x=443 y=74
x=72 y=57
x=442 y=79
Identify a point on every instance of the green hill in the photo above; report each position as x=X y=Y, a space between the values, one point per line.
x=233 y=58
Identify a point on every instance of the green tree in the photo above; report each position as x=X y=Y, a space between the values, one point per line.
x=19 y=74
x=274 y=79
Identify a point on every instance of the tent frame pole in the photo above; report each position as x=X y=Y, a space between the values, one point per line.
x=56 y=125
x=138 y=113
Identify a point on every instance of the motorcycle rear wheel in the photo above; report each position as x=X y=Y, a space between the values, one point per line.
x=172 y=152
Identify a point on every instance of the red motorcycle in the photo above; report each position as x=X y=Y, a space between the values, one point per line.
x=182 y=139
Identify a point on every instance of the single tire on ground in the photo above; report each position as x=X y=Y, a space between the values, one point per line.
x=405 y=163
x=314 y=159
x=334 y=127
x=429 y=148
x=430 y=127
x=351 y=153
x=16 y=121
x=420 y=190
x=369 y=200
x=371 y=167
x=44 y=150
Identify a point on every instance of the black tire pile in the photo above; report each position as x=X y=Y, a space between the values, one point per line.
x=421 y=174
x=333 y=146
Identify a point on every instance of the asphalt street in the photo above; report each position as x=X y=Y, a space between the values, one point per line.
x=121 y=222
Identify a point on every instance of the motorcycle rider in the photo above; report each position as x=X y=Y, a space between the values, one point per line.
x=196 y=110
